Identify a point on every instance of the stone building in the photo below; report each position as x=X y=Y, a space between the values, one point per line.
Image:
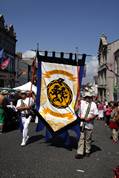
x=8 y=44
x=23 y=67
x=108 y=69
x=21 y=70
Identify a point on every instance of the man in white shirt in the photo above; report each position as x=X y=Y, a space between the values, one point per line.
x=87 y=112
x=24 y=105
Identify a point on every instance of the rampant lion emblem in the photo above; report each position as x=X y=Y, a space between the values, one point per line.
x=59 y=93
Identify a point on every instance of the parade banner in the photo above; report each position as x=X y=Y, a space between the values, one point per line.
x=57 y=93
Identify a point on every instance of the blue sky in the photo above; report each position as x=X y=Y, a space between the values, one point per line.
x=62 y=25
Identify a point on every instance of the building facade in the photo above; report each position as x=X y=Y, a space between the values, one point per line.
x=108 y=70
x=21 y=70
x=8 y=44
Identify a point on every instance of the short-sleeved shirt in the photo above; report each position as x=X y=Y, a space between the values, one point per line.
x=25 y=102
x=93 y=111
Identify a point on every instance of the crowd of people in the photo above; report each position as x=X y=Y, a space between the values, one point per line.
x=109 y=112
x=16 y=109
x=21 y=105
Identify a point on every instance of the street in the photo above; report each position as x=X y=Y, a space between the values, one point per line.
x=40 y=159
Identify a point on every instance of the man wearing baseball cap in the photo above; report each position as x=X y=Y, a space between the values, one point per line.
x=87 y=112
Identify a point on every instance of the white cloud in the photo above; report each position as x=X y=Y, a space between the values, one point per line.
x=29 y=54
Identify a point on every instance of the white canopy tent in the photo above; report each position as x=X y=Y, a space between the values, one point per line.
x=27 y=87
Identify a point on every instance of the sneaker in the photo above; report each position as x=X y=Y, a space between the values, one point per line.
x=23 y=143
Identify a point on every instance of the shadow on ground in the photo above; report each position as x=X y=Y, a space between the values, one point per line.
x=35 y=138
x=72 y=144
x=95 y=148
x=59 y=142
